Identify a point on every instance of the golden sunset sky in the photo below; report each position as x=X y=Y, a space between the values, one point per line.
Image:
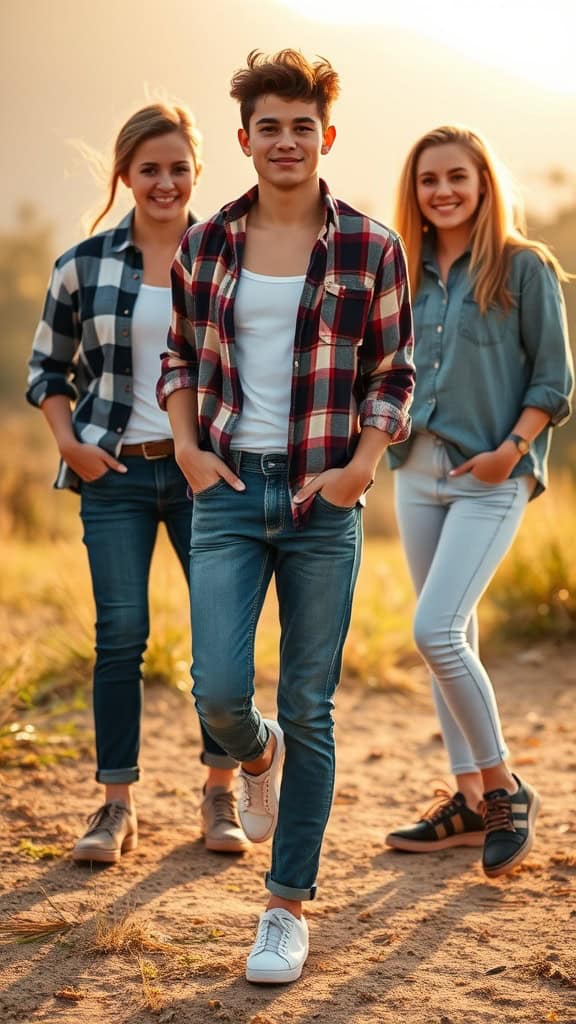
x=74 y=69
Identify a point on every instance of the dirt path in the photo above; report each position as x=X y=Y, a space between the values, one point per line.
x=394 y=937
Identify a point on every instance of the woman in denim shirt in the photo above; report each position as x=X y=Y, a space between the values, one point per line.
x=493 y=375
x=98 y=346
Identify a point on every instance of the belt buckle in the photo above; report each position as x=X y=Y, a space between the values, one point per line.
x=150 y=457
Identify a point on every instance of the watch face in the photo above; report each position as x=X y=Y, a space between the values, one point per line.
x=523 y=447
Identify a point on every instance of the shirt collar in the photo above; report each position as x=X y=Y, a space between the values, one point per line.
x=429 y=258
x=123 y=236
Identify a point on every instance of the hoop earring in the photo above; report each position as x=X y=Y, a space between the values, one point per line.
x=425 y=228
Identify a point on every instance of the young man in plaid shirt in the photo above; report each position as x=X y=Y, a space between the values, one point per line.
x=288 y=373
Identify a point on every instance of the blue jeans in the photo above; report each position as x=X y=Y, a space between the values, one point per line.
x=120 y=513
x=455 y=532
x=239 y=541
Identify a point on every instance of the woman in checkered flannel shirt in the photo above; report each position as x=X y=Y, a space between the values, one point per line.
x=93 y=372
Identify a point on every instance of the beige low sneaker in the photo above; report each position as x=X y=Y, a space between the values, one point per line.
x=220 y=824
x=113 y=830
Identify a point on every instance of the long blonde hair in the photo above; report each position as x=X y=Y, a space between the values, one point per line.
x=499 y=228
x=147 y=123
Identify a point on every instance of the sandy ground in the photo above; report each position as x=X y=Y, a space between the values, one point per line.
x=394 y=937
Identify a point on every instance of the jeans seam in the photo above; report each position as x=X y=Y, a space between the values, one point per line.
x=252 y=631
x=350 y=598
x=459 y=603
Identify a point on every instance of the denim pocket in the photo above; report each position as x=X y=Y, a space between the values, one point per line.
x=197 y=495
x=100 y=479
x=334 y=508
x=490 y=328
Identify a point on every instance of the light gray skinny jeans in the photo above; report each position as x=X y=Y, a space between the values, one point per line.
x=455 y=532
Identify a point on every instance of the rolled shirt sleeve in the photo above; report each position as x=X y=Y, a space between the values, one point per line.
x=56 y=340
x=545 y=338
x=386 y=354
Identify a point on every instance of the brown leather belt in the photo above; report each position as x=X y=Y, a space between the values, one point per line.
x=150 y=449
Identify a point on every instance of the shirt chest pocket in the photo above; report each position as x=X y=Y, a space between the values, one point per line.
x=344 y=311
x=491 y=328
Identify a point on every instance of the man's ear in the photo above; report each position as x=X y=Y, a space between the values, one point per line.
x=244 y=142
x=328 y=138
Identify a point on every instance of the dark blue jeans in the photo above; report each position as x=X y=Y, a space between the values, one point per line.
x=120 y=513
x=239 y=541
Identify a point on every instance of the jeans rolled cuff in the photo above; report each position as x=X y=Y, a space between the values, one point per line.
x=288 y=892
x=217 y=760
x=109 y=776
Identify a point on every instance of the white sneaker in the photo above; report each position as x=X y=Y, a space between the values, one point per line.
x=259 y=794
x=280 y=950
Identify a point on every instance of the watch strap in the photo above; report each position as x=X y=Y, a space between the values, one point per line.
x=521 y=443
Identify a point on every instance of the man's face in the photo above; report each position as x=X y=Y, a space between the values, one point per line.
x=285 y=140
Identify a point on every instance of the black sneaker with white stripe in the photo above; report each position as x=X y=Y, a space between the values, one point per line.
x=509 y=824
x=448 y=822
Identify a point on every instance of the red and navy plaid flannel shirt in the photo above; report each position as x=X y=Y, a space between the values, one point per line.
x=352 y=363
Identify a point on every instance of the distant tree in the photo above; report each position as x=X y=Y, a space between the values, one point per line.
x=26 y=255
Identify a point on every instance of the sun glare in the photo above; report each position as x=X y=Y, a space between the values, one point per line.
x=512 y=35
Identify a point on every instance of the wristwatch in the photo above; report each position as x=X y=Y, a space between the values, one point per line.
x=521 y=443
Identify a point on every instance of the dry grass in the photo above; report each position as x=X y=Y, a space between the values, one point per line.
x=153 y=998
x=124 y=932
x=23 y=928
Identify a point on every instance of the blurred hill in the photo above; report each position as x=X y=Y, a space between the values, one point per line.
x=27 y=253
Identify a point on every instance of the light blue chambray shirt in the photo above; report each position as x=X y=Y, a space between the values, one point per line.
x=476 y=373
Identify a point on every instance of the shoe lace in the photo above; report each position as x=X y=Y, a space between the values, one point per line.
x=497 y=814
x=255 y=793
x=224 y=806
x=273 y=933
x=106 y=818
x=443 y=806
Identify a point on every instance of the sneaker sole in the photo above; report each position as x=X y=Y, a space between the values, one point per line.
x=523 y=852
x=273 y=977
x=226 y=845
x=95 y=854
x=430 y=846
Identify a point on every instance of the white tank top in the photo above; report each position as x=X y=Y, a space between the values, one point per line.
x=265 y=313
x=150 y=322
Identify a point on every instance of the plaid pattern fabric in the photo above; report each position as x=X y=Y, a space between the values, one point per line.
x=83 y=345
x=352 y=363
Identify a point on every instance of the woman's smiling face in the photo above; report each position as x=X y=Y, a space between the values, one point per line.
x=161 y=175
x=449 y=187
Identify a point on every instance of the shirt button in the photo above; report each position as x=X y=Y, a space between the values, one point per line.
x=126 y=312
x=296 y=363
x=136 y=277
x=125 y=333
x=439 y=329
x=436 y=364
x=118 y=430
x=431 y=401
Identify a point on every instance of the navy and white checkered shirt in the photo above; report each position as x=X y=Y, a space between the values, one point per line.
x=83 y=343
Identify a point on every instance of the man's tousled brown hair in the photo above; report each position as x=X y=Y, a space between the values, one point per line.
x=286 y=74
